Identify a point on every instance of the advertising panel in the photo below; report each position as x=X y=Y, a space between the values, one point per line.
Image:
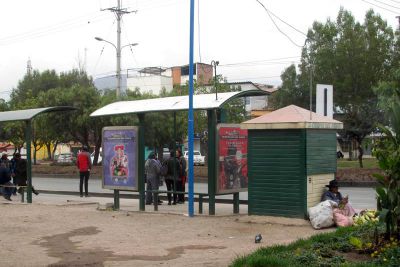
x=232 y=159
x=120 y=161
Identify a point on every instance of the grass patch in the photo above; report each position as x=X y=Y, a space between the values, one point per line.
x=328 y=249
x=369 y=163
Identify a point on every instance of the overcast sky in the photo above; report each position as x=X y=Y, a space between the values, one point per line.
x=56 y=34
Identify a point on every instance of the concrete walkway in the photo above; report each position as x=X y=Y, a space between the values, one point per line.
x=360 y=197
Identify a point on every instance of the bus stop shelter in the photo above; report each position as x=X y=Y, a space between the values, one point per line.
x=27 y=115
x=208 y=102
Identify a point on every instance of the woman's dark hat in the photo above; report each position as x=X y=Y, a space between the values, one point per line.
x=332 y=184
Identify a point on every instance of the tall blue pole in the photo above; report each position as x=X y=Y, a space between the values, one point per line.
x=190 y=116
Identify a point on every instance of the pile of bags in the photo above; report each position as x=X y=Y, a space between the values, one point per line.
x=327 y=214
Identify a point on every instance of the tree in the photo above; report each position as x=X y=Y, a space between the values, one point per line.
x=387 y=151
x=290 y=92
x=354 y=57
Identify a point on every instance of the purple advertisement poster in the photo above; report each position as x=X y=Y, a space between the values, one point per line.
x=120 y=157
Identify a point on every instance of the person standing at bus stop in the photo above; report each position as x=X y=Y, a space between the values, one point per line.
x=84 y=165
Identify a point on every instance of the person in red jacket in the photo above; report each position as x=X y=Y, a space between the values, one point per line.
x=84 y=165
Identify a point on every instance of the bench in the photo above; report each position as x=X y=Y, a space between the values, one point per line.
x=23 y=187
x=201 y=197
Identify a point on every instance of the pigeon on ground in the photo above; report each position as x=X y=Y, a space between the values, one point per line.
x=258 y=238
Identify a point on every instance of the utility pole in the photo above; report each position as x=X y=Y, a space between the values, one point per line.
x=29 y=67
x=215 y=64
x=119 y=12
x=398 y=17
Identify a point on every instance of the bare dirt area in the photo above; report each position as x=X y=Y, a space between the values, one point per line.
x=81 y=235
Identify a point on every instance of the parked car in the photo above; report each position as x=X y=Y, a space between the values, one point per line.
x=99 y=159
x=198 y=159
x=66 y=158
x=166 y=154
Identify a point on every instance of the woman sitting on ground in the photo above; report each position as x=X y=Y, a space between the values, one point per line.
x=334 y=195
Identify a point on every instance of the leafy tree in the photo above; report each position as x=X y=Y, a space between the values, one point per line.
x=387 y=151
x=354 y=57
x=290 y=92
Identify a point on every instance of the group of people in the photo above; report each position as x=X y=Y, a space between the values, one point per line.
x=173 y=171
x=13 y=174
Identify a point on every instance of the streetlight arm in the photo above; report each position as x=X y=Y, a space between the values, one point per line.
x=102 y=40
x=134 y=44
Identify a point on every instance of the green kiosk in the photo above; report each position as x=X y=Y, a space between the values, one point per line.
x=291 y=157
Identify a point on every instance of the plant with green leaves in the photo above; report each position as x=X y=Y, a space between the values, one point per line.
x=387 y=151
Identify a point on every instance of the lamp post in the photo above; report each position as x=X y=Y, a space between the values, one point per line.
x=215 y=64
x=118 y=49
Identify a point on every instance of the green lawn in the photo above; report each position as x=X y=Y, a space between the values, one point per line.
x=368 y=163
x=344 y=247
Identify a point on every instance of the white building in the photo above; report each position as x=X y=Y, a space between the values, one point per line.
x=150 y=80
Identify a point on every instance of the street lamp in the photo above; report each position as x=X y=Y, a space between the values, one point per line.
x=118 y=49
x=215 y=64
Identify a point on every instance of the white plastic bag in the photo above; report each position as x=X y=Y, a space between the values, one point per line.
x=321 y=215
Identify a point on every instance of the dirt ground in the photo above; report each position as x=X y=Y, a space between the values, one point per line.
x=81 y=235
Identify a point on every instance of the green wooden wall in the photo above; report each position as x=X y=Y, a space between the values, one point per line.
x=277 y=175
x=321 y=151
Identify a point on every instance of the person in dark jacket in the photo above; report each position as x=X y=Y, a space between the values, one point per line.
x=5 y=179
x=182 y=175
x=152 y=169
x=21 y=176
x=172 y=176
x=84 y=164
x=333 y=194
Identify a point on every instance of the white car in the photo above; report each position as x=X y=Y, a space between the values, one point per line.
x=98 y=159
x=198 y=159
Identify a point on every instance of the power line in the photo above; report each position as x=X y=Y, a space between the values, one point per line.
x=277 y=27
x=386 y=4
x=258 y=61
x=384 y=8
x=40 y=32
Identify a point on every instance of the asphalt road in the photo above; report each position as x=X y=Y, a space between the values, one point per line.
x=359 y=197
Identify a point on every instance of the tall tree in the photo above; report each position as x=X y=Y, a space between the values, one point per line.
x=352 y=56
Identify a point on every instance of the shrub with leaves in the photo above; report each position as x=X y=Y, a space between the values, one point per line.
x=387 y=151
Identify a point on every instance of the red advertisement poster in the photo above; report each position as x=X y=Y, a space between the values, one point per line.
x=232 y=159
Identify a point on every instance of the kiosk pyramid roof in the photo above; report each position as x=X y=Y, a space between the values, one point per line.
x=292 y=117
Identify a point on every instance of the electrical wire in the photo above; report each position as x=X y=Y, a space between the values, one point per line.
x=386 y=4
x=44 y=31
x=102 y=49
x=384 y=8
x=258 y=61
x=277 y=27
x=256 y=78
x=394 y=1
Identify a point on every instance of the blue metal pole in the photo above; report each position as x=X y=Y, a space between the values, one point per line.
x=190 y=116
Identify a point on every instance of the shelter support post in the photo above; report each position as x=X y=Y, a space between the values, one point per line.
x=28 y=136
x=211 y=116
x=116 y=200
x=174 y=149
x=221 y=115
x=141 y=184
x=236 y=203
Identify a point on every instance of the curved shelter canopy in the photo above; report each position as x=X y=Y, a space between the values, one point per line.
x=28 y=114
x=174 y=103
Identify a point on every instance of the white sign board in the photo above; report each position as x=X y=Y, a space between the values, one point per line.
x=325 y=100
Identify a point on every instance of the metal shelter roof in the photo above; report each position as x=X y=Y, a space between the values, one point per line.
x=174 y=103
x=28 y=114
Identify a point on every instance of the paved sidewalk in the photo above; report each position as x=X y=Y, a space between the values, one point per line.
x=360 y=198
